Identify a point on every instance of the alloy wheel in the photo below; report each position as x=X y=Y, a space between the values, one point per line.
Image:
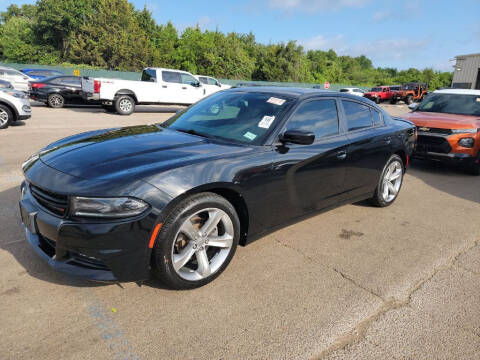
x=392 y=180
x=202 y=244
x=56 y=101
x=3 y=117
x=125 y=105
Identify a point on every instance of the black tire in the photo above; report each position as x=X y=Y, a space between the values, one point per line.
x=109 y=108
x=55 y=101
x=378 y=100
x=408 y=100
x=6 y=116
x=162 y=257
x=474 y=168
x=393 y=101
x=124 y=105
x=378 y=198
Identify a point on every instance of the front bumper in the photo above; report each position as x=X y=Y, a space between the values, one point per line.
x=109 y=251
x=454 y=158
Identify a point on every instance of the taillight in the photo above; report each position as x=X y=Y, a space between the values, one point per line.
x=97 y=84
x=38 y=85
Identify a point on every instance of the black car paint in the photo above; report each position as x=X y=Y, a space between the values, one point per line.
x=270 y=185
x=72 y=93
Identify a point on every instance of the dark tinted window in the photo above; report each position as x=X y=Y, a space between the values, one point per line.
x=149 y=75
x=57 y=81
x=358 y=115
x=171 y=77
x=377 y=120
x=343 y=90
x=451 y=104
x=74 y=80
x=319 y=117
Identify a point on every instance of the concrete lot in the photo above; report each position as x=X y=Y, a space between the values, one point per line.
x=354 y=283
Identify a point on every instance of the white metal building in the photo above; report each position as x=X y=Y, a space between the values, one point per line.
x=466 y=73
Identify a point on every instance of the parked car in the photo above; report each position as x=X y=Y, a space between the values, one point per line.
x=14 y=106
x=353 y=91
x=410 y=92
x=40 y=74
x=379 y=94
x=211 y=84
x=6 y=84
x=16 y=78
x=58 y=91
x=177 y=198
x=448 y=123
x=158 y=86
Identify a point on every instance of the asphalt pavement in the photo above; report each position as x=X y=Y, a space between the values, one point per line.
x=357 y=282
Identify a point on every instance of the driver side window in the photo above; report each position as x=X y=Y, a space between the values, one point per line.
x=318 y=116
x=188 y=79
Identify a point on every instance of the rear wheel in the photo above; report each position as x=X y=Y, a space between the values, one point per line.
x=6 y=117
x=390 y=182
x=124 y=105
x=196 y=242
x=55 y=101
x=393 y=101
x=474 y=168
x=408 y=100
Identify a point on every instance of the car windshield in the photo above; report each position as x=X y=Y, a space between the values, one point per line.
x=377 y=89
x=451 y=104
x=240 y=117
x=409 y=87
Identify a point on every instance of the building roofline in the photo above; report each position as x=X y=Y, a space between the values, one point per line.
x=468 y=55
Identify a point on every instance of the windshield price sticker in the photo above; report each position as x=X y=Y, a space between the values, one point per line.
x=276 y=101
x=250 y=136
x=266 y=122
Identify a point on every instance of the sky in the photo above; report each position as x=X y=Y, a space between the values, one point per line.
x=392 y=33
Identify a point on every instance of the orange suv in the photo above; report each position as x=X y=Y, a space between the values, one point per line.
x=448 y=125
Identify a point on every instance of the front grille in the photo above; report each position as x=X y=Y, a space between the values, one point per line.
x=435 y=144
x=55 y=203
x=86 y=261
x=436 y=131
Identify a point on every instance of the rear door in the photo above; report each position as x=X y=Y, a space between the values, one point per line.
x=72 y=88
x=368 y=147
x=312 y=175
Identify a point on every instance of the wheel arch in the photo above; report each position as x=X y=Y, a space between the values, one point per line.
x=226 y=190
x=403 y=156
x=12 y=108
x=126 y=92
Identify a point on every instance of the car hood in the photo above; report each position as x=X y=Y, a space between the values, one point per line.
x=129 y=151
x=443 y=121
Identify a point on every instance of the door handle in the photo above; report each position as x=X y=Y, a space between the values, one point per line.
x=184 y=87
x=342 y=154
x=164 y=86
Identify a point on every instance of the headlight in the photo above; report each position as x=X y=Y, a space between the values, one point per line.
x=464 y=131
x=107 y=207
x=467 y=142
x=16 y=94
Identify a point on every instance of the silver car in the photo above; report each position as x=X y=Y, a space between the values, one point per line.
x=353 y=91
x=14 y=106
x=18 y=79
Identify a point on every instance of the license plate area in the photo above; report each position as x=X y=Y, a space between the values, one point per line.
x=29 y=219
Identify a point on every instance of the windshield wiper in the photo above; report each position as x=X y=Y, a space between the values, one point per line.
x=194 y=132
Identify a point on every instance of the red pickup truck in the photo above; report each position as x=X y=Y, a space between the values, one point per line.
x=379 y=94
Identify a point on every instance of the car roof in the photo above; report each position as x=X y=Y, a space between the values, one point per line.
x=35 y=69
x=7 y=68
x=297 y=93
x=458 y=91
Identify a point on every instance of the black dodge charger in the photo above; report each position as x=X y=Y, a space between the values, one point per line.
x=175 y=199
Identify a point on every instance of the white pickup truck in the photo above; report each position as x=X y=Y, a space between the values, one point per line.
x=158 y=86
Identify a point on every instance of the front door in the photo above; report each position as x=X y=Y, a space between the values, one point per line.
x=192 y=89
x=311 y=176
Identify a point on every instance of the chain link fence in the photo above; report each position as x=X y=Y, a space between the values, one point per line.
x=130 y=75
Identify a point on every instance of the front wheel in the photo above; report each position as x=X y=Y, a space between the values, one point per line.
x=390 y=182
x=55 y=101
x=408 y=100
x=6 y=117
x=125 y=105
x=196 y=242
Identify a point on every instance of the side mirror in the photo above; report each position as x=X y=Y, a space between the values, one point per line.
x=413 y=106
x=219 y=85
x=196 y=84
x=299 y=137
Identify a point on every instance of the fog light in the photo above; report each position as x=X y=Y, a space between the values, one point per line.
x=26 y=108
x=467 y=142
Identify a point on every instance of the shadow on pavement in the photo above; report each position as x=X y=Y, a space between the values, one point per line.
x=447 y=178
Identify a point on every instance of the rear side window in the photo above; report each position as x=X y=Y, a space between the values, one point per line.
x=343 y=90
x=72 y=81
x=171 y=77
x=377 y=120
x=149 y=75
x=358 y=116
x=318 y=116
